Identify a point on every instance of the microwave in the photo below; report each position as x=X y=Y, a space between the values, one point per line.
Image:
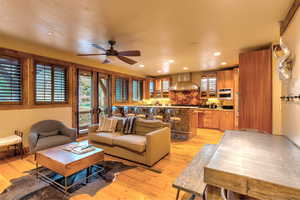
x=225 y=93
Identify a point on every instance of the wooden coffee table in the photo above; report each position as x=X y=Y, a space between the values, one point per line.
x=67 y=163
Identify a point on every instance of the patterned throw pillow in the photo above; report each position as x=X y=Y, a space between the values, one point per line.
x=107 y=125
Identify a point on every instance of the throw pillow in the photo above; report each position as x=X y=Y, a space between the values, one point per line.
x=142 y=127
x=120 y=124
x=49 y=133
x=107 y=125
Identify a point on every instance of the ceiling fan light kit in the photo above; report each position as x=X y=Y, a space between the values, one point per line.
x=121 y=55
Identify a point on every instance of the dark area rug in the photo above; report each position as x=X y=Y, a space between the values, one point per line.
x=29 y=188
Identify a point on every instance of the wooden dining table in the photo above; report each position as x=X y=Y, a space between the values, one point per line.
x=262 y=166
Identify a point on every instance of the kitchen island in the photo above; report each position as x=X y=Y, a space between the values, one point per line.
x=183 y=119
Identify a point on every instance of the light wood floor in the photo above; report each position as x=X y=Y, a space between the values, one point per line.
x=135 y=184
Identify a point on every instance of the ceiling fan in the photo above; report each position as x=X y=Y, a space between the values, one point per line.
x=112 y=52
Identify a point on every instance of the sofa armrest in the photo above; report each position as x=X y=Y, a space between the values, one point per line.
x=158 y=144
x=32 y=139
x=70 y=132
x=93 y=128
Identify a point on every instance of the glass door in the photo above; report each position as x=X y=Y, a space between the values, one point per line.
x=93 y=98
x=103 y=96
x=85 y=100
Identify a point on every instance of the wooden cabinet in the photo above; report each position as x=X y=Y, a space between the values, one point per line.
x=208 y=85
x=225 y=79
x=226 y=120
x=215 y=119
x=255 y=89
x=159 y=87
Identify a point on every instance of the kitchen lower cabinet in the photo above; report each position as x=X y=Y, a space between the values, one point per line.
x=226 y=120
x=216 y=119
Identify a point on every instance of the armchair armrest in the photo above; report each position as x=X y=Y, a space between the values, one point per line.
x=70 y=132
x=158 y=144
x=93 y=128
x=32 y=139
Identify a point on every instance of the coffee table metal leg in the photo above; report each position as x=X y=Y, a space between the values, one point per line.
x=88 y=173
x=177 y=195
x=66 y=185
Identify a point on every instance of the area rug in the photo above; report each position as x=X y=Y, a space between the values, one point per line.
x=29 y=188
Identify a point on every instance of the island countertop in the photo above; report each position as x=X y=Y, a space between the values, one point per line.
x=196 y=108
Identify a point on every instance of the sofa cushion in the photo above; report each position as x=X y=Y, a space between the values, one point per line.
x=142 y=126
x=52 y=141
x=49 y=133
x=103 y=137
x=132 y=142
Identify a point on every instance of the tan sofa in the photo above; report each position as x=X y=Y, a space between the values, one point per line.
x=149 y=143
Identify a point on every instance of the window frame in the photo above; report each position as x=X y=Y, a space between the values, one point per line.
x=123 y=80
x=53 y=65
x=141 y=87
x=22 y=79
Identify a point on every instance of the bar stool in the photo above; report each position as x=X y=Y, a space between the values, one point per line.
x=128 y=111
x=139 y=112
x=157 y=113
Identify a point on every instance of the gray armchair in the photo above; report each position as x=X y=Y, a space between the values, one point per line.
x=49 y=133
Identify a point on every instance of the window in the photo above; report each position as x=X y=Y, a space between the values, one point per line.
x=137 y=90
x=10 y=81
x=51 y=85
x=121 y=89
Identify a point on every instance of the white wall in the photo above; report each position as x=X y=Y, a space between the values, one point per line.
x=291 y=111
x=22 y=119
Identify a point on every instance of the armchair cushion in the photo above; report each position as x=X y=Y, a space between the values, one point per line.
x=48 y=133
x=132 y=142
x=47 y=142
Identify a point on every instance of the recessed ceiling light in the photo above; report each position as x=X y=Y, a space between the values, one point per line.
x=171 y=61
x=223 y=63
x=49 y=33
x=185 y=68
x=142 y=65
x=159 y=71
x=217 y=53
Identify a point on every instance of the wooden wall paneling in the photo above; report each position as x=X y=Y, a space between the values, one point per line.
x=236 y=97
x=74 y=91
x=256 y=90
x=130 y=91
x=285 y=23
x=95 y=97
x=113 y=89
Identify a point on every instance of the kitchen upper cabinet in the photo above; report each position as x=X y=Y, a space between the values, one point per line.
x=225 y=79
x=255 y=90
x=208 y=86
x=159 y=87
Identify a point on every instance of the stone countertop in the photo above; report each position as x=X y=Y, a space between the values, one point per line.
x=178 y=107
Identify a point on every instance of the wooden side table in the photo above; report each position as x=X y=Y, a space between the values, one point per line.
x=15 y=140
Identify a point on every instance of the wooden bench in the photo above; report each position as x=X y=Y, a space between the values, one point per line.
x=191 y=179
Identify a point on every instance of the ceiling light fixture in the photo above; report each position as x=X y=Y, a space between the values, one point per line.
x=223 y=63
x=185 y=68
x=142 y=65
x=159 y=71
x=217 y=53
x=49 y=33
x=171 y=61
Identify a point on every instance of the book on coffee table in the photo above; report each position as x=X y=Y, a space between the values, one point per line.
x=79 y=148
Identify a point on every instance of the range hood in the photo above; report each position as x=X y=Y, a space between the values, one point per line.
x=183 y=82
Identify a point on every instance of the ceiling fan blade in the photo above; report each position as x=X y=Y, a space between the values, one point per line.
x=91 y=54
x=98 y=47
x=106 y=61
x=127 y=60
x=130 y=53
